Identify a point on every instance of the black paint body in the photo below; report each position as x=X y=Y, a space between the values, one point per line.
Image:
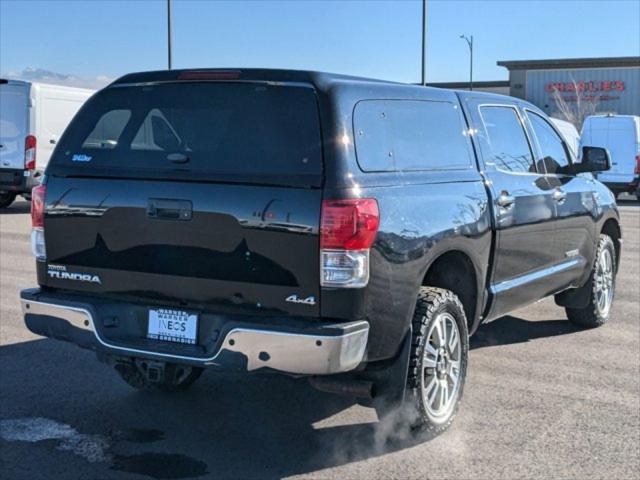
x=246 y=247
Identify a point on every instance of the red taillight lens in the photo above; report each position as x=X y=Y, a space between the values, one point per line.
x=37 y=206
x=637 y=169
x=349 y=224
x=30 y=152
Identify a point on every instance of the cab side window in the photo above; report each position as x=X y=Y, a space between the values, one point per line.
x=553 y=154
x=410 y=135
x=506 y=140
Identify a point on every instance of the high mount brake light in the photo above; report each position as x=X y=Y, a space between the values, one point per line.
x=209 y=75
x=347 y=230
x=30 y=152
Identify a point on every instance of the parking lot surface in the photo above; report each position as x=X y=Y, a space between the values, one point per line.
x=543 y=399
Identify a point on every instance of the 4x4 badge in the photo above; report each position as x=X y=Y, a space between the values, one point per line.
x=306 y=301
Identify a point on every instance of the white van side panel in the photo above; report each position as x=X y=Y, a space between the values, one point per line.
x=55 y=107
x=14 y=123
x=621 y=136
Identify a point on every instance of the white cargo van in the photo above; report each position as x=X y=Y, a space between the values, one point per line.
x=620 y=134
x=32 y=118
x=570 y=134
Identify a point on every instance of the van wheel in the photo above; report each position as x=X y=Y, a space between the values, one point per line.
x=603 y=283
x=176 y=377
x=6 y=199
x=438 y=360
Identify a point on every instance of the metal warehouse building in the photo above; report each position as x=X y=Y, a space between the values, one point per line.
x=612 y=83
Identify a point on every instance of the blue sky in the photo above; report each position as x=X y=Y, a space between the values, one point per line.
x=107 y=38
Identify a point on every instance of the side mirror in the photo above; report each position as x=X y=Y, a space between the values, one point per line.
x=594 y=159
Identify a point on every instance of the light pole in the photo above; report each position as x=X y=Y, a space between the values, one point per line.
x=470 y=43
x=424 y=42
x=169 y=34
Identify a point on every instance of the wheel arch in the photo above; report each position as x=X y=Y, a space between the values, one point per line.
x=579 y=297
x=455 y=270
x=611 y=227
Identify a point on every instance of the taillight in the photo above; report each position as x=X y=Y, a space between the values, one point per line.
x=37 y=222
x=30 y=152
x=637 y=169
x=347 y=230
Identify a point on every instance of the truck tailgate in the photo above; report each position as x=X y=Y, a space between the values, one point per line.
x=247 y=247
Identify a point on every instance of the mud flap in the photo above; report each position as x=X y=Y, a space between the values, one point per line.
x=390 y=380
x=576 y=297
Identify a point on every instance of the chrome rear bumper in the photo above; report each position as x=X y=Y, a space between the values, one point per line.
x=292 y=351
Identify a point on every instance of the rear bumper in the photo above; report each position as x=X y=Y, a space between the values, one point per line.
x=628 y=187
x=288 y=346
x=18 y=181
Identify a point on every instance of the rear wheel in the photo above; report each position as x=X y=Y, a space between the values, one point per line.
x=438 y=360
x=6 y=199
x=173 y=378
x=602 y=283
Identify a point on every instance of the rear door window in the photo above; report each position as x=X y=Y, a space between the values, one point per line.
x=225 y=130
x=506 y=146
x=406 y=135
x=13 y=125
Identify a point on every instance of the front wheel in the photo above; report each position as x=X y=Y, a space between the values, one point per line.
x=438 y=360
x=603 y=283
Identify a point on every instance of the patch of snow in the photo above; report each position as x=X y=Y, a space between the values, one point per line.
x=92 y=448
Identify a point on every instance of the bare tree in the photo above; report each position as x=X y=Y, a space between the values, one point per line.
x=576 y=112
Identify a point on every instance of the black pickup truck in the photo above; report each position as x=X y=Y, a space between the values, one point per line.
x=353 y=231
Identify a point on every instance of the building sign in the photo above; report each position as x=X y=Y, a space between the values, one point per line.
x=588 y=86
x=615 y=89
x=588 y=90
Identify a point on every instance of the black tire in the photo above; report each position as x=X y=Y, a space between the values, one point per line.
x=432 y=303
x=176 y=377
x=6 y=199
x=593 y=315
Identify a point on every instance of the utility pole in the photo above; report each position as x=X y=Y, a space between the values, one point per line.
x=169 y=34
x=424 y=42
x=470 y=43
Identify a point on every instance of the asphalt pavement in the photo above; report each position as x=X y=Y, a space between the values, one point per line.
x=543 y=399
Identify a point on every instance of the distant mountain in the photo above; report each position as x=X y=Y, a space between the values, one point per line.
x=33 y=74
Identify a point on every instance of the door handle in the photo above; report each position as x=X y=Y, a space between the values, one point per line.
x=559 y=195
x=505 y=200
x=169 y=209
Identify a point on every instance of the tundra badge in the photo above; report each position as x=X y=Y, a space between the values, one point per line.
x=60 y=271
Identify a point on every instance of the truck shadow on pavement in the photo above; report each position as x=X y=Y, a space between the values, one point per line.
x=17 y=208
x=226 y=426
x=508 y=330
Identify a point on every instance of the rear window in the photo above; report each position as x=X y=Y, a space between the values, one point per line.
x=405 y=135
x=251 y=132
x=13 y=113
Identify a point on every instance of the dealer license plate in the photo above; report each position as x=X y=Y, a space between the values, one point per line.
x=172 y=325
